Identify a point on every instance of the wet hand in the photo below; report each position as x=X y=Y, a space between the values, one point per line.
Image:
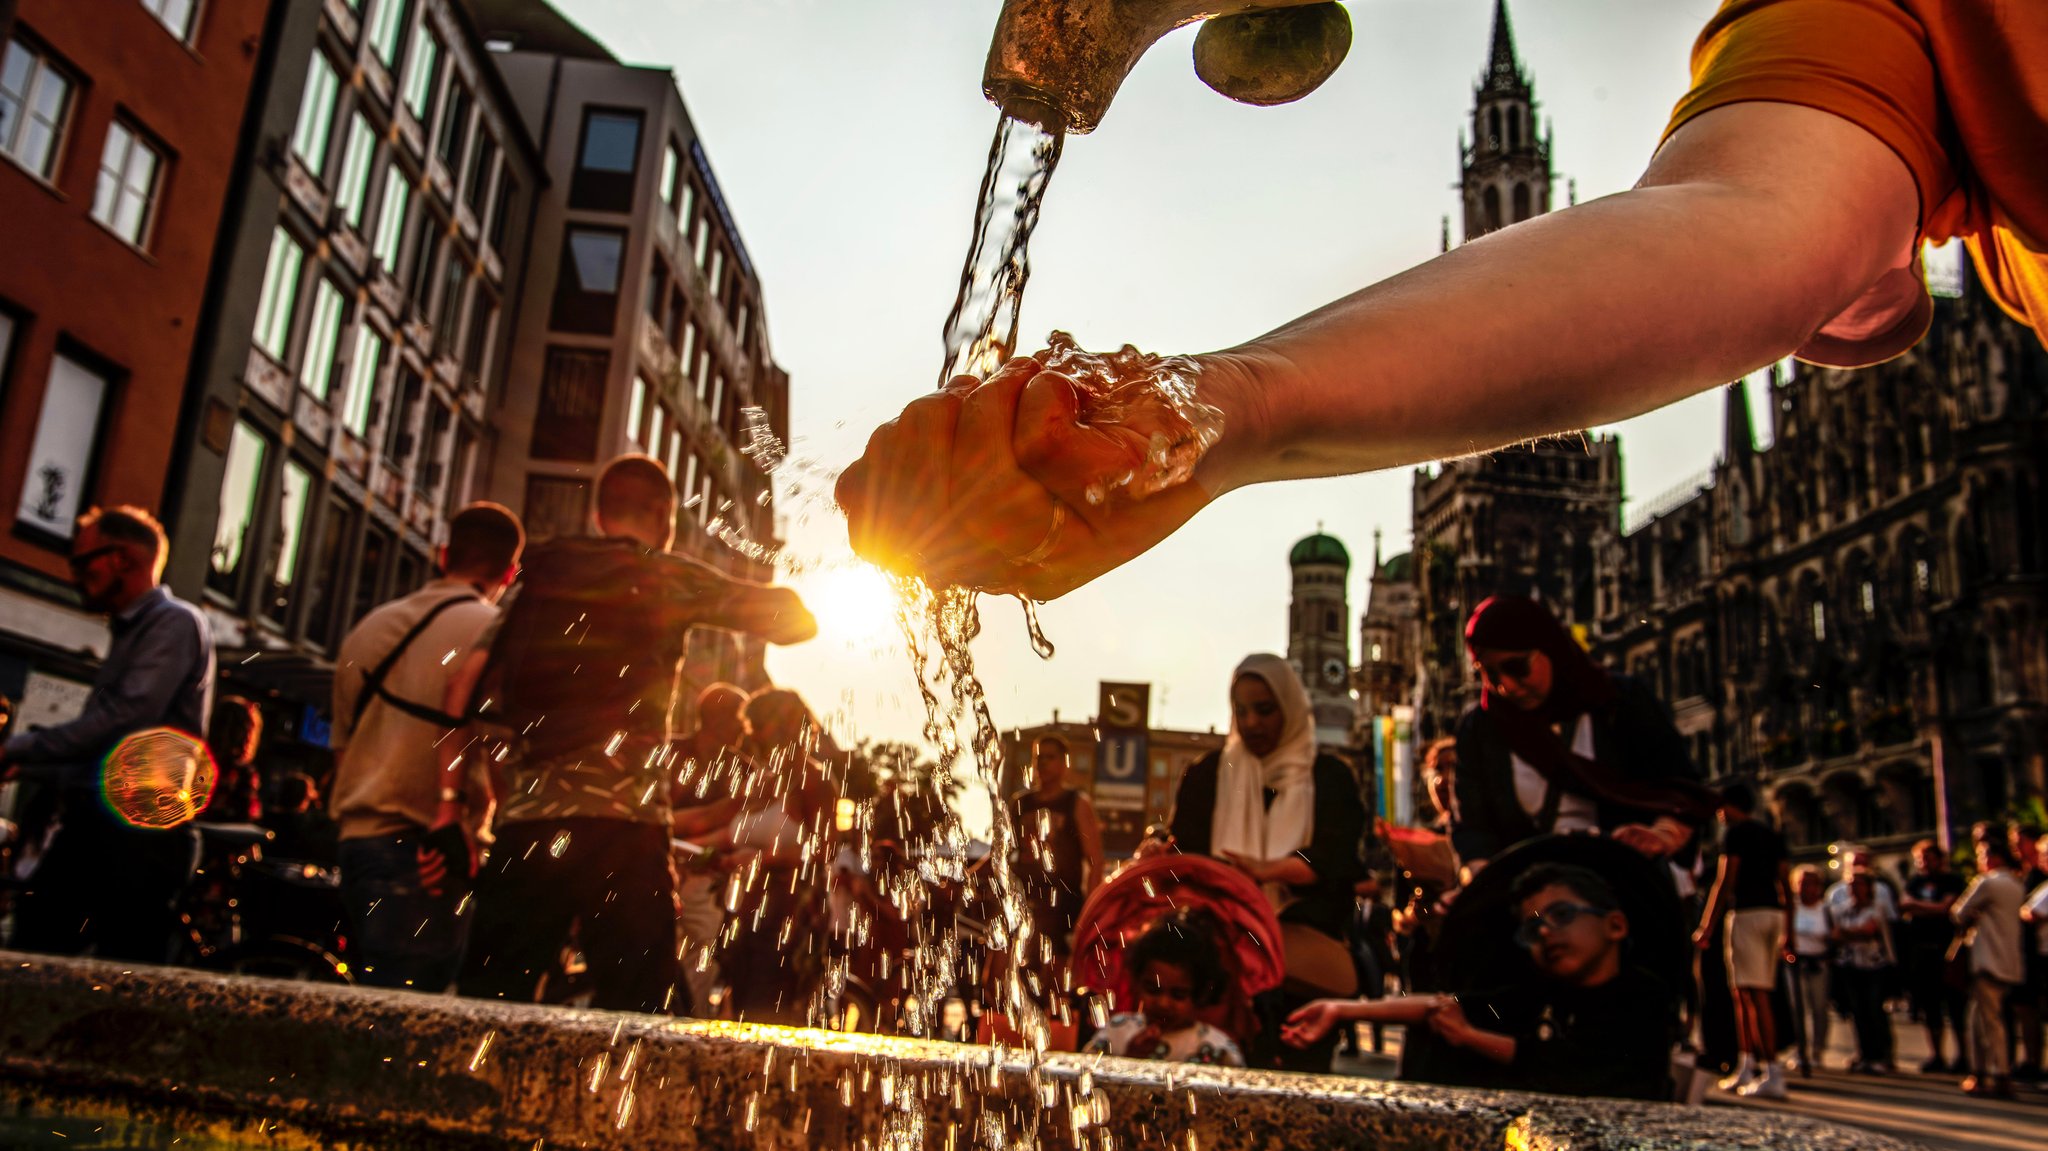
x=1311 y=1022
x=987 y=484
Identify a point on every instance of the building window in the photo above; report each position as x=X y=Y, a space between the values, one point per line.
x=568 y=418
x=360 y=403
x=718 y=397
x=419 y=73
x=391 y=217
x=433 y=465
x=174 y=15
x=716 y=276
x=587 y=286
x=387 y=20
x=323 y=337
x=636 y=408
x=686 y=206
x=129 y=172
x=61 y=457
x=461 y=463
x=606 y=162
x=419 y=289
x=671 y=174
x=476 y=184
x=316 y=115
x=351 y=186
x=328 y=572
x=234 y=532
x=280 y=291
x=370 y=569
x=297 y=485
x=454 y=278
x=399 y=442
x=35 y=99
x=501 y=209
x=483 y=323
x=688 y=355
x=454 y=135
x=675 y=451
x=655 y=419
x=555 y=507
x=1820 y=621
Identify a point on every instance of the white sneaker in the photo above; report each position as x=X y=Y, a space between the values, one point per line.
x=1769 y=1085
x=1745 y=1073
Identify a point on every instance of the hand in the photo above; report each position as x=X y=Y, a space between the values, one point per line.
x=450 y=839
x=1703 y=939
x=1258 y=869
x=1642 y=838
x=1448 y=1020
x=985 y=484
x=1311 y=1022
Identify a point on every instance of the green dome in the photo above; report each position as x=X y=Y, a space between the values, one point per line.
x=1319 y=549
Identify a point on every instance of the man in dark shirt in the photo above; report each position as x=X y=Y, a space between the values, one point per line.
x=1592 y=1025
x=1925 y=931
x=582 y=675
x=106 y=885
x=1749 y=901
x=1059 y=848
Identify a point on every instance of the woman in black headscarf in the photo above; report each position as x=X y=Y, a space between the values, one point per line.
x=1559 y=745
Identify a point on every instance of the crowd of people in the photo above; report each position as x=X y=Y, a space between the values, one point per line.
x=514 y=814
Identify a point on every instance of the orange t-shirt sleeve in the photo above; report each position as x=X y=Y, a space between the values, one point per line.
x=1866 y=61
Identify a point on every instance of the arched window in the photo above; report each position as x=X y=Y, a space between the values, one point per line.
x=1491 y=199
x=1515 y=129
x=1493 y=128
x=1330 y=621
x=1521 y=202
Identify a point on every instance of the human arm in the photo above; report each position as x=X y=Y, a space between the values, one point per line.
x=1717 y=900
x=162 y=656
x=1656 y=288
x=775 y=614
x=1970 y=904
x=1448 y=1020
x=1312 y=1021
x=2035 y=909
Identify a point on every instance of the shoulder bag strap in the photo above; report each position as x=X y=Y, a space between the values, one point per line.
x=373 y=680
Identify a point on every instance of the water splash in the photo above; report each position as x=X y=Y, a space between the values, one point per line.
x=1147 y=405
x=1021 y=160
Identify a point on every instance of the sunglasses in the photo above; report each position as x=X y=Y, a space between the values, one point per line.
x=1556 y=917
x=84 y=559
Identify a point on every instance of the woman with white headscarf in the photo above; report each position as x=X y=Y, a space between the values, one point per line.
x=1286 y=816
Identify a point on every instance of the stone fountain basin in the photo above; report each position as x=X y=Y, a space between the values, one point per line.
x=242 y=1062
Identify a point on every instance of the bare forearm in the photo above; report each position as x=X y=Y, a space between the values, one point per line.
x=1720 y=264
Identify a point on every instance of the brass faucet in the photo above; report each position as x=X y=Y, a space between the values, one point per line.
x=1059 y=63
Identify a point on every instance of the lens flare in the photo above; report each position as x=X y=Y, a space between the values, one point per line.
x=159 y=777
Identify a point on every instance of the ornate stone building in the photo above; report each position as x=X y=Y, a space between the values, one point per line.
x=1853 y=616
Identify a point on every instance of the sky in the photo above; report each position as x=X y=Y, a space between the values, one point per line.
x=849 y=137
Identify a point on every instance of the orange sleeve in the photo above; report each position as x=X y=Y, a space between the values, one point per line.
x=1866 y=61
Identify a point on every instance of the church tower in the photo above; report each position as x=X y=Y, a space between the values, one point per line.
x=1505 y=170
x=1318 y=634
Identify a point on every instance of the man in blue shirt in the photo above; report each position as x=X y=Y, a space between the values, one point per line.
x=103 y=884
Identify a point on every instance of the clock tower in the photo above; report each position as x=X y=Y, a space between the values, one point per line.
x=1318 y=634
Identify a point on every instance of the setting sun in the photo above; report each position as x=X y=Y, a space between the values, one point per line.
x=854 y=603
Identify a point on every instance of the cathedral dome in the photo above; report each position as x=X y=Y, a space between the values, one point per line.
x=1319 y=549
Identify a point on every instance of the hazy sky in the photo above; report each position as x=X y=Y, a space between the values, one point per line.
x=849 y=137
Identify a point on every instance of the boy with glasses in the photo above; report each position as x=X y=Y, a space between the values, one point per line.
x=1590 y=1023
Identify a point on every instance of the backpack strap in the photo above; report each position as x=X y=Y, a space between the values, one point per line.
x=373 y=680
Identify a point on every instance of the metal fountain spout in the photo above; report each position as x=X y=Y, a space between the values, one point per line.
x=1059 y=63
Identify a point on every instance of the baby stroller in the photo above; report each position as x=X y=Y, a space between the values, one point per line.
x=1121 y=909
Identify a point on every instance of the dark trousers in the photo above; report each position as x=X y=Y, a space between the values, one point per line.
x=609 y=879
x=402 y=936
x=1939 y=1004
x=1864 y=989
x=106 y=887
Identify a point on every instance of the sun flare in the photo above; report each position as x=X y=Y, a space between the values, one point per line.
x=854 y=603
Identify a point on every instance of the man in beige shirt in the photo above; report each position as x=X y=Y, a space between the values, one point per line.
x=403 y=886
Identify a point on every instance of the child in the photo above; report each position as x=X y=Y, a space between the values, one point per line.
x=1592 y=1025
x=1175 y=969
